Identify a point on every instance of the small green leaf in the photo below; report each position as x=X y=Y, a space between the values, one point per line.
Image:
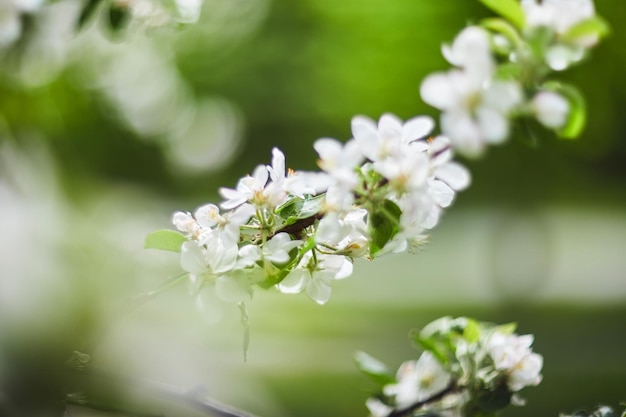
x=506 y=329
x=577 y=117
x=440 y=346
x=384 y=224
x=298 y=208
x=595 y=26
x=509 y=9
x=373 y=368
x=501 y=26
x=165 y=240
x=471 y=333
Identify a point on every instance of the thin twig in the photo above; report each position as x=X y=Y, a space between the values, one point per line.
x=406 y=411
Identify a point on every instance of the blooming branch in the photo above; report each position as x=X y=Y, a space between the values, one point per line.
x=467 y=368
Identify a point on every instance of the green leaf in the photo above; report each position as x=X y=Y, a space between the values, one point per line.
x=577 y=117
x=507 y=329
x=384 y=224
x=373 y=368
x=440 y=346
x=298 y=208
x=595 y=26
x=501 y=26
x=471 y=333
x=509 y=9
x=165 y=240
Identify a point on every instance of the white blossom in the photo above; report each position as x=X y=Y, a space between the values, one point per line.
x=316 y=277
x=249 y=189
x=418 y=381
x=558 y=15
x=278 y=247
x=475 y=111
x=339 y=160
x=513 y=355
x=286 y=182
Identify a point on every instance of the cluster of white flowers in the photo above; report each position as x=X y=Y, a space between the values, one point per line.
x=500 y=72
x=463 y=359
x=300 y=231
x=380 y=191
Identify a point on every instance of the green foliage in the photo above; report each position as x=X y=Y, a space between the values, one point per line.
x=594 y=27
x=384 y=224
x=297 y=209
x=509 y=9
x=169 y=240
x=374 y=368
x=438 y=344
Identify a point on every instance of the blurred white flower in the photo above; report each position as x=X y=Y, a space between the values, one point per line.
x=559 y=15
x=471 y=50
x=339 y=161
x=418 y=381
x=551 y=109
x=475 y=111
x=513 y=355
x=316 y=276
x=276 y=250
x=377 y=408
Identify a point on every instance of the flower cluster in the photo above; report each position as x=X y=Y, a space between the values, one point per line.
x=467 y=368
x=380 y=191
x=301 y=231
x=501 y=70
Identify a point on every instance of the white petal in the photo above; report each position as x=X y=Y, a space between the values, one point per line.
x=294 y=282
x=192 y=258
x=440 y=192
x=432 y=218
x=364 y=129
x=278 y=164
x=436 y=90
x=389 y=125
x=260 y=175
x=233 y=198
x=417 y=128
x=318 y=290
x=463 y=132
x=454 y=174
x=494 y=125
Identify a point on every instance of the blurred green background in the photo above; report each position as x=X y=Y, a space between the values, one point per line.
x=103 y=136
